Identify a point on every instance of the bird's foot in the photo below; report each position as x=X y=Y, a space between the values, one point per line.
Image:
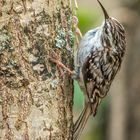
x=78 y=34
x=55 y=59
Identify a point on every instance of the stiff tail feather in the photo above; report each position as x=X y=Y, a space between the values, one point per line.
x=81 y=122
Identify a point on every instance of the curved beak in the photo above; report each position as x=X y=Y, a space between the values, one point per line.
x=104 y=10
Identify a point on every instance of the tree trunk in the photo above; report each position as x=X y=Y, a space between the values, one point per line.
x=117 y=116
x=35 y=95
x=125 y=108
x=133 y=71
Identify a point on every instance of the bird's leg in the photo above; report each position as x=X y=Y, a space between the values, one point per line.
x=77 y=31
x=59 y=64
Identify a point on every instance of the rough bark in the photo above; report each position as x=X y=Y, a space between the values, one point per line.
x=35 y=95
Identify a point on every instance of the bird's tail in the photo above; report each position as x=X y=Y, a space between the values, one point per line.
x=81 y=122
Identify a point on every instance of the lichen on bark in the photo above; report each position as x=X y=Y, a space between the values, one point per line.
x=35 y=95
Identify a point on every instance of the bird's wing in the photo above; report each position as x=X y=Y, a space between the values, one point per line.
x=98 y=71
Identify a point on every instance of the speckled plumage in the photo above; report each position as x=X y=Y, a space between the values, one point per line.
x=99 y=58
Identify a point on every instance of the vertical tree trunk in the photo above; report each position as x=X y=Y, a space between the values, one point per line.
x=117 y=116
x=125 y=109
x=35 y=95
x=133 y=71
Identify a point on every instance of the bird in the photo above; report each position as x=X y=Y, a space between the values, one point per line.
x=98 y=59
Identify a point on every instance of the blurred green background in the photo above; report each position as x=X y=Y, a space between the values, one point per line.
x=118 y=116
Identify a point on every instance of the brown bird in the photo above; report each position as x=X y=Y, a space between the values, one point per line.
x=98 y=59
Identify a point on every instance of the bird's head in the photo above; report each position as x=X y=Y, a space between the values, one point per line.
x=112 y=29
